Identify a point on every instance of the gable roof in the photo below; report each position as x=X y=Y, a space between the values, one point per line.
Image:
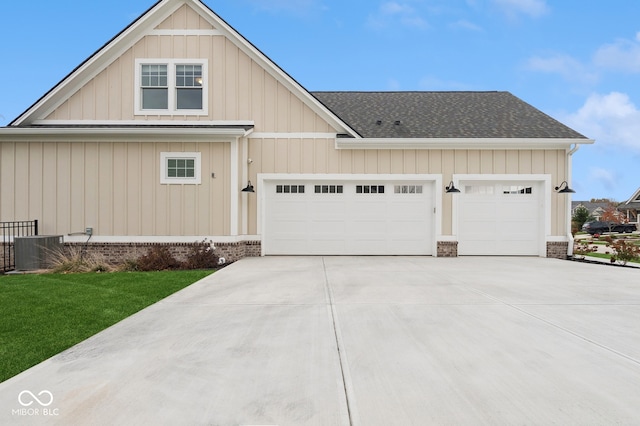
x=443 y=115
x=633 y=201
x=138 y=29
x=592 y=207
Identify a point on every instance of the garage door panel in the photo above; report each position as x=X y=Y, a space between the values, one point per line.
x=349 y=222
x=289 y=227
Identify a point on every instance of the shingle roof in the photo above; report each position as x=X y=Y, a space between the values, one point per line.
x=592 y=207
x=443 y=115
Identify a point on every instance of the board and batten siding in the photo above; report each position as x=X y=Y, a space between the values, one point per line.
x=272 y=155
x=113 y=187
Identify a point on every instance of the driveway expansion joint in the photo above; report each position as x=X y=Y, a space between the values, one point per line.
x=346 y=382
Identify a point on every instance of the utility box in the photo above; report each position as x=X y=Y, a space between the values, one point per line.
x=34 y=252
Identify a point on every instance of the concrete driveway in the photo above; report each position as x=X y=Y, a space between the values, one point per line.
x=359 y=340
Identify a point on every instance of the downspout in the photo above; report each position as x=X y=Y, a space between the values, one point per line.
x=569 y=173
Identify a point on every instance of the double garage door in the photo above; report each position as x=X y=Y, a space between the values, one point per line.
x=348 y=217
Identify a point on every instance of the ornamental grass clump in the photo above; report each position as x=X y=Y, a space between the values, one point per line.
x=75 y=259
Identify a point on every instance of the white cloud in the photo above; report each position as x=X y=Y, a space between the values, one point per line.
x=564 y=65
x=393 y=84
x=613 y=120
x=466 y=25
x=393 y=8
x=607 y=178
x=533 y=8
x=623 y=55
x=391 y=14
x=297 y=7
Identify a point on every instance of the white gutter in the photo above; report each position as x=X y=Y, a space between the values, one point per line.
x=458 y=143
x=136 y=134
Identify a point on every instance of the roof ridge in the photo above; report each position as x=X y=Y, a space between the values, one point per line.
x=408 y=91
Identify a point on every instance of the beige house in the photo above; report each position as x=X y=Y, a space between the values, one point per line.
x=154 y=137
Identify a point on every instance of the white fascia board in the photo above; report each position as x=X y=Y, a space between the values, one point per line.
x=292 y=135
x=98 y=61
x=132 y=134
x=458 y=143
x=350 y=177
x=142 y=123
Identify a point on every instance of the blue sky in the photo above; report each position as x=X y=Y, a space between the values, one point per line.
x=577 y=61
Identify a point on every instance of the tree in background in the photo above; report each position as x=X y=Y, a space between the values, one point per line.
x=612 y=215
x=580 y=216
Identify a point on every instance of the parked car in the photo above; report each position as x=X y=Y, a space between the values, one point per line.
x=599 y=227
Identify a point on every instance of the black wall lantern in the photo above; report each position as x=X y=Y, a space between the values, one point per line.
x=450 y=189
x=248 y=188
x=565 y=190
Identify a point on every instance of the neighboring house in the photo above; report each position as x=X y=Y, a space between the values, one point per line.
x=595 y=209
x=631 y=207
x=152 y=139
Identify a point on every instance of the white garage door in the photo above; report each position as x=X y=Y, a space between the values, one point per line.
x=348 y=218
x=500 y=218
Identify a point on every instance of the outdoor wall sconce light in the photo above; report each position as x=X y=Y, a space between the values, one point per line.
x=450 y=189
x=248 y=188
x=565 y=190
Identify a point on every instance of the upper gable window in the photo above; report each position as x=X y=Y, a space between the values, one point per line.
x=171 y=87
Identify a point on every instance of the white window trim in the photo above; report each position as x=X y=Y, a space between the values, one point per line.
x=171 y=76
x=165 y=180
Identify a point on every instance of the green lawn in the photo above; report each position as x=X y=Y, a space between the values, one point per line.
x=606 y=256
x=42 y=315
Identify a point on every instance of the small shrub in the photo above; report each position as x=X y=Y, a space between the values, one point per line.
x=582 y=248
x=201 y=256
x=128 y=265
x=624 y=251
x=158 y=258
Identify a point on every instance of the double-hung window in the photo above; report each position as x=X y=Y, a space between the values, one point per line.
x=154 y=86
x=189 y=87
x=171 y=87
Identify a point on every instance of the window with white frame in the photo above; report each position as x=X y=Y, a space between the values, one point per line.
x=180 y=168
x=407 y=189
x=171 y=87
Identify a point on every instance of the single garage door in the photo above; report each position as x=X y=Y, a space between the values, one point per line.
x=500 y=218
x=348 y=218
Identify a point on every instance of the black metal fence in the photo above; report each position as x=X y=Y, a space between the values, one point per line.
x=10 y=230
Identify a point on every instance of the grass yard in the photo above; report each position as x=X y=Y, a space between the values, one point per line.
x=42 y=315
x=606 y=256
